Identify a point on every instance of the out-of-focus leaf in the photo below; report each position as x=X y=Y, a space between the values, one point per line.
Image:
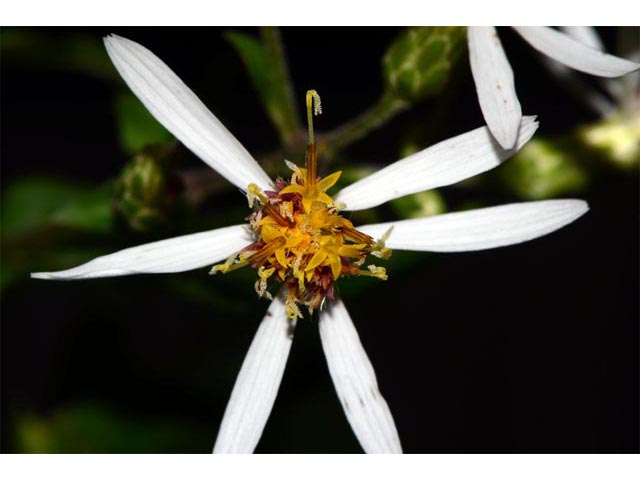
x=136 y=126
x=419 y=63
x=267 y=69
x=282 y=104
x=543 y=169
x=423 y=204
x=91 y=428
x=36 y=203
x=78 y=53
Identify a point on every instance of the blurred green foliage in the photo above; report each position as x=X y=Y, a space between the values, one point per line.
x=68 y=52
x=544 y=168
x=267 y=68
x=94 y=428
x=43 y=222
x=615 y=139
x=422 y=204
x=136 y=126
x=39 y=202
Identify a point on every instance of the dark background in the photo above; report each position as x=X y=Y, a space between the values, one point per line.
x=531 y=348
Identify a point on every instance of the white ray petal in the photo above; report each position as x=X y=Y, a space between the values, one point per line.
x=445 y=163
x=585 y=35
x=493 y=77
x=181 y=112
x=257 y=384
x=177 y=254
x=355 y=382
x=564 y=49
x=480 y=229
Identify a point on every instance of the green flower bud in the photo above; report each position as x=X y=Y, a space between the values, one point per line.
x=419 y=62
x=543 y=169
x=145 y=191
x=617 y=139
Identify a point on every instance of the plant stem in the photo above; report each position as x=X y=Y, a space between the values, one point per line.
x=387 y=107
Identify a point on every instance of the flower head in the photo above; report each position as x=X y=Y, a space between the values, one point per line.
x=302 y=241
x=299 y=240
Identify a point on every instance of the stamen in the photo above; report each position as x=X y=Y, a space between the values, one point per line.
x=379 y=249
x=263 y=254
x=230 y=264
x=290 y=165
x=301 y=241
x=274 y=213
x=314 y=107
x=374 y=271
x=253 y=192
x=357 y=236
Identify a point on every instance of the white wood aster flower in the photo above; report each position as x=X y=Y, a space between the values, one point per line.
x=277 y=245
x=494 y=78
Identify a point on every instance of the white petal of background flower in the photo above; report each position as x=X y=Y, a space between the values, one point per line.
x=564 y=49
x=480 y=229
x=445 y=163
x=585 y=35
x=181 y=112
x=493 y=77
x=165 y=256
x=355 y=382
x=257 y=384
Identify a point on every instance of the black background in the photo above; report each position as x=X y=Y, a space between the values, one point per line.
x=530 y=348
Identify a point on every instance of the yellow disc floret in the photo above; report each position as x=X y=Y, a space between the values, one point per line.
x=302 y=241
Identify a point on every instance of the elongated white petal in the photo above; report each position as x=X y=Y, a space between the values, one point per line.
x=257 y=384
x=564 y=49
x=442 y=164
x=355 y=382
x=494 y=83
x=177 y=254
x=480 y=229
x=585 y=35
x=181 y=112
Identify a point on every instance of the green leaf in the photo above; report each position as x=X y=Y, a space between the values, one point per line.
x=419 y=63
x=136 y=126
x=267 y=68
x=35 y=203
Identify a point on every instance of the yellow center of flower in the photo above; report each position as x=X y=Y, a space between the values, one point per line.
x=302 y=241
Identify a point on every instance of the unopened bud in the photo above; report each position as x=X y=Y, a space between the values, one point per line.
x=145 y=192
x=420 y=61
